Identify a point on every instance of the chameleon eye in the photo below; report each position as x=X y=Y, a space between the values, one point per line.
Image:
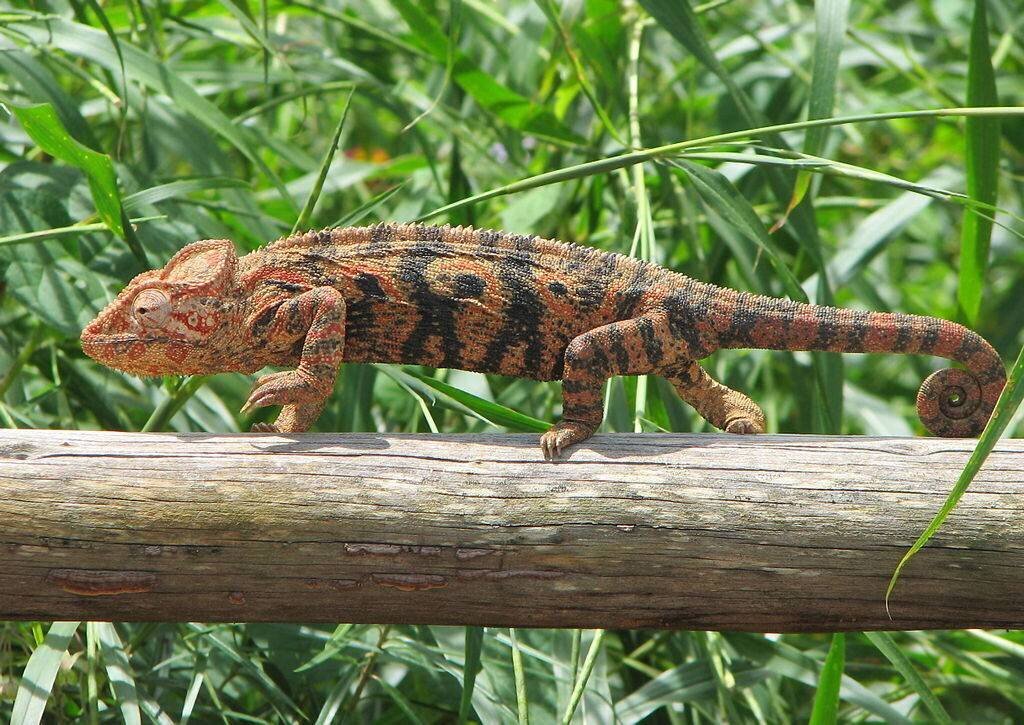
x=151 y=308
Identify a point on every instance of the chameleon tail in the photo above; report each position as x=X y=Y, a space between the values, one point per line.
x=953 y=402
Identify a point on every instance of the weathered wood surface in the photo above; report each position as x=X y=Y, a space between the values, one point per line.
x=766 y=533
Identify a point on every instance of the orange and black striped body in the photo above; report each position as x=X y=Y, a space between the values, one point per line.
x=515 y=305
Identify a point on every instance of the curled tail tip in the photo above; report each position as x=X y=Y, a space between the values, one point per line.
x=953 y=403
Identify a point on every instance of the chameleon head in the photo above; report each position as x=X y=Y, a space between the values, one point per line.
x=168 y=321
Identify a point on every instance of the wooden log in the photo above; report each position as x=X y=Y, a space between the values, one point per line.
x=765 y=533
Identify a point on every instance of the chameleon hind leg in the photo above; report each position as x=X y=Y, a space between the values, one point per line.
x=627 y=347
x=721 y=406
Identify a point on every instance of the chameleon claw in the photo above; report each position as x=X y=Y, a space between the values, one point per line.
x=264 y=428
x=743 y=426
x=555 y=441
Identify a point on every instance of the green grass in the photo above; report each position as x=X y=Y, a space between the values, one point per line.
x=679 y=133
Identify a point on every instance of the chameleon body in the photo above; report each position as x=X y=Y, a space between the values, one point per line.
x=496 y=303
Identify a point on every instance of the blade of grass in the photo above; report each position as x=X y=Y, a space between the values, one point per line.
x=471 y=666
x=180 y=188
x=337 y=642
x=781 y=659
x=464 y=402
x=522 y=707
x=40 y=674
x=171 y=404
x=554 y=14
x=119 y=672
x=247 y=667
x=109 y=30
x=1009 y=400
x=314 y=194
x=982 y=162
x=581 y=682
x=366 y=671
x=892 y=652
x=720 y=195
x=826 y=699
x=830 y=29
x=611 y=163
x=277 y=100
x=363 y=210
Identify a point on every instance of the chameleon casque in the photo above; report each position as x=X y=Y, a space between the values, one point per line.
x=492 y=302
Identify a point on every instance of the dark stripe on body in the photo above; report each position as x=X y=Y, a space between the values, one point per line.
x=617 y=347
x=522 y=312
x=904 y=332
x=858 y=330
x=652 y=345
x=436 y=311
x=683 y=316
x=930 y=335
x=828 y=328
x=361 y=310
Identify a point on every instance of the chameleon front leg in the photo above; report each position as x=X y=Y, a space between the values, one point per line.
x=720 y=405
x=317 y=317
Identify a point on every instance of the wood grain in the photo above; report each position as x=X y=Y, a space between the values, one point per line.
x=763 y=533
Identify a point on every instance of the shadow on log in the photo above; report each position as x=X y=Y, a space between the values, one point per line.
x=766 y=533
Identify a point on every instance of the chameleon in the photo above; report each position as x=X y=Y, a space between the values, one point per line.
x=495 y=302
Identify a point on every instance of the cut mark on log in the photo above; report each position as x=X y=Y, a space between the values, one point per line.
x=410 y=582
x=331 y=584
x=390 y=549
x=100 y=582
x=466 y=554
x=510 y=574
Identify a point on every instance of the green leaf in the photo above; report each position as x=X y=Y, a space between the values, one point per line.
x=1009 y=400
x=686 y=683
x=786 y=660
x=40 y=674
x=826 y=698
x=466 y=402
x=363 y=210
x=830 y=29
x=70 y=231
x=119 y=671
x=584 y=674
x=247 y=667
x=517 y=111
x=725 y=199
x=522 y=706
x=178 y=189
x=982 y=161
x=471 y=666
x=888 y=647
x=43 y=125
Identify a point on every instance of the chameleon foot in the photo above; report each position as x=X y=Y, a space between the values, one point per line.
x=561 y=436
x=284 y=388
x=743 y=426
x=264 y=428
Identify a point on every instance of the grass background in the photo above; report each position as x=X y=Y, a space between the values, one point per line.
x=131 y=128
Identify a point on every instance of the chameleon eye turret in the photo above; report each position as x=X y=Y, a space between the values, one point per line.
x=151 y=308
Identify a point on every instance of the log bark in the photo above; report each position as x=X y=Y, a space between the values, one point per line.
x=764 y=533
